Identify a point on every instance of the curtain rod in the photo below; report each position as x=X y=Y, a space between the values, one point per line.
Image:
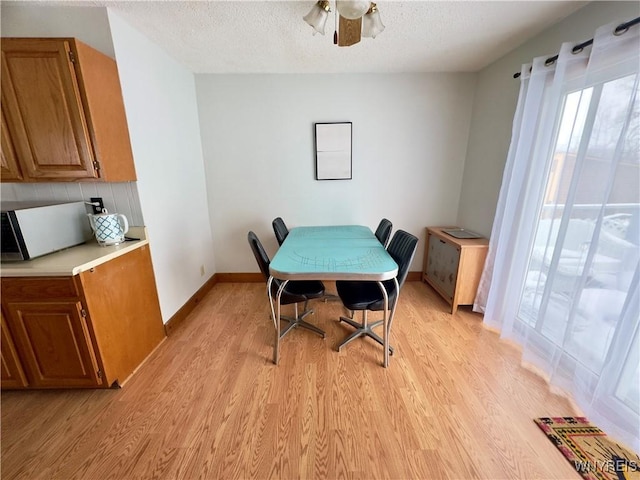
x=620 y=29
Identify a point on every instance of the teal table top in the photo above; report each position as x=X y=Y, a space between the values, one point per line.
x=337 y=252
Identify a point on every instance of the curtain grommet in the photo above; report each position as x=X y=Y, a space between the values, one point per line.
x=620 y=30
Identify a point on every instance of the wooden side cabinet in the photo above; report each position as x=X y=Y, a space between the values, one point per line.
x=90 y=330
x=63 y=116
x=453 y=266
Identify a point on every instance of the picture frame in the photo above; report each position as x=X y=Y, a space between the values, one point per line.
x=333 y=145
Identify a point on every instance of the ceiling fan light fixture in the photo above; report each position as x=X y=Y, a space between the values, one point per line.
x=352 y=9
x=317 y=16
x=372 y=23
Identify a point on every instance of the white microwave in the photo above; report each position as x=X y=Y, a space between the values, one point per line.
x=31 y=229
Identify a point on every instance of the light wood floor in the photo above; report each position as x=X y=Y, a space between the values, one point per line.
x=454 y=403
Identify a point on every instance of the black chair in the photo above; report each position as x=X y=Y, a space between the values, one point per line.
x=383 y=232
x=294 y=292
x=367 y=296
x=280 y=229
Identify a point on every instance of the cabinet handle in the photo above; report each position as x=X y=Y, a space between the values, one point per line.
x=442 y=241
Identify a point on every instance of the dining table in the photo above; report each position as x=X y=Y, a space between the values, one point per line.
x=332 y=253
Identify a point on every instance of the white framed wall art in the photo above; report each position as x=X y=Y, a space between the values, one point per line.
x=333 y=151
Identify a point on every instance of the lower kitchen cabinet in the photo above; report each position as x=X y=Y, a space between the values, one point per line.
x=12 y=372
x=89 y=330
x=54 y=344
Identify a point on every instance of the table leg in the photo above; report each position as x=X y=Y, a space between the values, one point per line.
x=275 y=315
x=392 y=314
x=388 y=318
x=385 y=321
x=276 y=320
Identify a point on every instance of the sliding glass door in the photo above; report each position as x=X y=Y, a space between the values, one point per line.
x=584 y=254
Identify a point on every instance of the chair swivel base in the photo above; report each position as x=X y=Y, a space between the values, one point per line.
x=362 y=330
x=331 y=296
x=299 y=322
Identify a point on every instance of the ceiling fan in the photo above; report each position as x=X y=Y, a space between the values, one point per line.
x=355 y=19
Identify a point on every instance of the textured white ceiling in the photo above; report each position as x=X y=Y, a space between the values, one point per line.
x=271 y=37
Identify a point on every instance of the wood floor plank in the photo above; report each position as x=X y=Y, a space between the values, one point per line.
x=209 y=403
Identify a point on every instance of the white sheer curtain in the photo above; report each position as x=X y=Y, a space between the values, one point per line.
x=563 y=268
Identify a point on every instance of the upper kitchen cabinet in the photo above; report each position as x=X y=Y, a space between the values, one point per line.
x=9 y=169
x=63 y=116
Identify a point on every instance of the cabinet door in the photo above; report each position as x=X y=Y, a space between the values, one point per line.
x=44 y=113
x=12 y=373
x=126 y=320
x=9 y=169
x=442 y=265
x=53 y=341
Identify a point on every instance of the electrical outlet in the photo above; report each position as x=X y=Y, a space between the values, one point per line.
x=202 y=270
x=97 y=210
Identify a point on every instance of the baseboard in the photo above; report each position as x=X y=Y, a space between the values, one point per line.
x=188 y=307
x=414 y=277
x=257 y=277
x=239 y=277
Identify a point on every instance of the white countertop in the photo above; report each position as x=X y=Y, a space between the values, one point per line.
x=74 y=260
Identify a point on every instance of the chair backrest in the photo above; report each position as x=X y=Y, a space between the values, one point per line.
x=261 y=256
x=383 y=232
x=402 y=249
x=280 y=229
x=263 y=262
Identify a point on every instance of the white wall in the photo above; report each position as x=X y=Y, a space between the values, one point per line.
x=411 y=161
x=160 y=101
x=495 y=103
x=162 y=114
x=89 y=24
x=409 y=144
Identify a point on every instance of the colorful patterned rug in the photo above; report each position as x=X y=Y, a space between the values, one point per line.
x=594 y=455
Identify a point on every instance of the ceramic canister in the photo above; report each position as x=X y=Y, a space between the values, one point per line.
x=109 y=228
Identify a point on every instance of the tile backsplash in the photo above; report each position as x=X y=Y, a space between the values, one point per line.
x=118 y=197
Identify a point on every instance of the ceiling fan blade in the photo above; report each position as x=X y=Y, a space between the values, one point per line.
x=349 y=31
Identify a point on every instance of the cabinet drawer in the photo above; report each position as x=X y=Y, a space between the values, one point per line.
x=38 y=288
x=442 y=265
